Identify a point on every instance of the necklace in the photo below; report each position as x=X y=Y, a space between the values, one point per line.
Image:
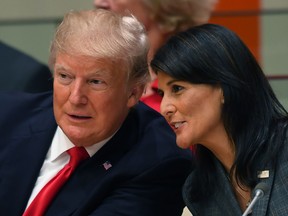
x=242 y=195
x=246 y=198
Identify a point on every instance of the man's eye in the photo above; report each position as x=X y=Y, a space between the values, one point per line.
x=95 y=81
x=97 y=84
x=63 y=76
x=176 y=88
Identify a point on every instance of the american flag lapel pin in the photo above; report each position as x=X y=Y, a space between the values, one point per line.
x=107 y=165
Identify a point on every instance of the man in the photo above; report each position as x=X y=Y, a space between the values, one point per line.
x=133 y=166
x=21 y=72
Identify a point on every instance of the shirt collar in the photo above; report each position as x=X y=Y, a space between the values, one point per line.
x=61 y=144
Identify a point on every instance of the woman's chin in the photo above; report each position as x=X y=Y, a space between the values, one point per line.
x=183 y=145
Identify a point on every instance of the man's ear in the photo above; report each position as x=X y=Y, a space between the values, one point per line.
x=135 y=94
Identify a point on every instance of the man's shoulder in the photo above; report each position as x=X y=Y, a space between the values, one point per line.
x=21 y=105
x=147 y=115
x=22 y=98
x=154 y=134
x=22 y=111
x=149 y=121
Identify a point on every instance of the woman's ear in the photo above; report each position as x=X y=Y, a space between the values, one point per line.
x=222 y=96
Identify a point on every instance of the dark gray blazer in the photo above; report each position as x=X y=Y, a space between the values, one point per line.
x=223 y=201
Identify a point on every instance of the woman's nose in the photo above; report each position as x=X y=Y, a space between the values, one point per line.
x=166 y=107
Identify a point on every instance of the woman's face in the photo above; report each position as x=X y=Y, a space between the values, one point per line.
x=136 y=7
x=192 y=110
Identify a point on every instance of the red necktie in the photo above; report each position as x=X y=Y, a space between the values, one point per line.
x=39 y=205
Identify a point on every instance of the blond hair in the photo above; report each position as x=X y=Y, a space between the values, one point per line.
x=104 y=35
x=178 y=15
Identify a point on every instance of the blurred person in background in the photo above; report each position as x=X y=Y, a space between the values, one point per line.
x=130 y=164
x=20 y=72
x=161 y=18
x=216 y=96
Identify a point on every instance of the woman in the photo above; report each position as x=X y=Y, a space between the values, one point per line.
x=161 y=18
x=216 y=97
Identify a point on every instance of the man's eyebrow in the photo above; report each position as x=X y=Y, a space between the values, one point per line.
x=60 y=66
x=95 y=72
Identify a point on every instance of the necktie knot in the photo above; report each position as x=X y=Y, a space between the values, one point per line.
x=77 y=154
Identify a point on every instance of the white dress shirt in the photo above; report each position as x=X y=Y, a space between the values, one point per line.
x=57 y=158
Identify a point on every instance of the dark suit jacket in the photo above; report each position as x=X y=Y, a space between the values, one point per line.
x=223 y=201
x=19 y=71
x=147 y=173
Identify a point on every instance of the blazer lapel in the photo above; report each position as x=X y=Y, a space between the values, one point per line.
x=225 y=199
x=224 y=195
x=221 y=202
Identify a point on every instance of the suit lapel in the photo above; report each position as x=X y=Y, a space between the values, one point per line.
x=29 y=147
x=79 y=195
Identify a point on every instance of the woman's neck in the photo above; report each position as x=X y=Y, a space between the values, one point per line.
x=219 y=143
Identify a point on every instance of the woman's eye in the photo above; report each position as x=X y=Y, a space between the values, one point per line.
x=160 y=92
x=176 y=88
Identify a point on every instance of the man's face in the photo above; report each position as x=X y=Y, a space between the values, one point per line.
x=91 y=98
